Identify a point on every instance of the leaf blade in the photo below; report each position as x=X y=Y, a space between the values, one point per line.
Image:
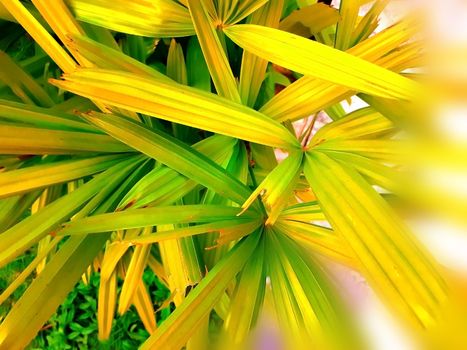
x=322 y=61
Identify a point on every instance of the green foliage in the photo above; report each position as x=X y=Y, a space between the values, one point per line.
x=74 y=325
x=166 y=152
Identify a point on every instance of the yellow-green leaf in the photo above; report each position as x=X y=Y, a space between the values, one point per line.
x=175 y=331
x=152 y=217
x=213 y=51
x=42 y=175
x=318 y=60
x=390 y=258
x=309 y=20
x=160 y=18
x=173 y=153
x=179 y=104
x=253 y=68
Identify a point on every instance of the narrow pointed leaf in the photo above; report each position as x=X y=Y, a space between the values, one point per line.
x=246 y=304
x=133 y=276
x=48 y=291
x=182 y=323
x=253 y=68
x=145 y=308
x=179 y=104
x=309 y=95
x=40 y=35
x=318 y=239
x=161 y=18
x=21 y=83
x=18 y=238
x=390 y=257
x=29 y=140
x=38 y=176
x=213 y=51
x=106 y=302
x=321 y=61
x=173 y=153
x=110 y=58
x=20 y=113
x=152 y=217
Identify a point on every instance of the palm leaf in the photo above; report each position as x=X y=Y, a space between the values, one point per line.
x=162 y=18
x=178 y=103
x=172 y=153
x=182 y=323
x=213 y=52
x=321 y=61
x=390 y=258
x=309 y=95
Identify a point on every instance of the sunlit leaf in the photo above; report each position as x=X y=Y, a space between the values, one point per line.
x=173 y=153
x=390 y=258
x=179 y=104
x=213 y=51
x=321 y=61
x=161 y=18
x=182 y=323
x=309 y=20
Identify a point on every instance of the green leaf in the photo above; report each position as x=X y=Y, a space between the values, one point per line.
x=20 y=113
x=30 y=140
x=164 y=185
x=110 y=58
x=247 y=301
x=308 y=211
x=176 y=68
x=21 y=83
x=253 y=68
x=229 y=230
x=319 y=316
x=213 y=52
x=318 y=60
x=318 y=239
x=13 y=208
x=197 y=69
x=48 y=290
x=175 y=331
x=18 y=238
x=137 y=218
x=38 y=176
x=40 y=35
x=172 y=153
x=277 y=188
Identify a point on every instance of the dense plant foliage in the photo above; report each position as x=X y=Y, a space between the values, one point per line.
x=142 y=138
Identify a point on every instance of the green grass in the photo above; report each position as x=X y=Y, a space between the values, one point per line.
x=74 y=325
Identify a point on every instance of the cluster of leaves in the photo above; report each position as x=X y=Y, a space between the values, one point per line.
x=141 y=137
x=74 y=325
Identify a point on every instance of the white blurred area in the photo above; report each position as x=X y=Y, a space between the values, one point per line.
x=446 y=35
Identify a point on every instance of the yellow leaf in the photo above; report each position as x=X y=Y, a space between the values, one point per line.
x=179 y=104
x=213 y=52
x=318 y=60
x=390 y=258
